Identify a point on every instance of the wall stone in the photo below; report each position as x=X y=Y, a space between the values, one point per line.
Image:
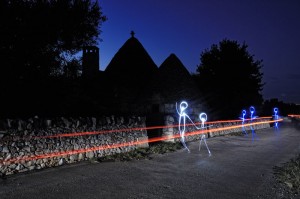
x=34 y=143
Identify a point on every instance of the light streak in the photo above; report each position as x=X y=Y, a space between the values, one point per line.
x=140 y=128
x=292 y=115
x=74 y=134
x=99 y=148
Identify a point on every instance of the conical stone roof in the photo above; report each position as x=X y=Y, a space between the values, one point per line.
x=173 y=82
x=128 y=72
x=131 y=62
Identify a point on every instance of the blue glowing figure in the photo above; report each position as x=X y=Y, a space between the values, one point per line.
x=252 y=117
x=252 y=111
x=203 y=119
x=276 y=117
x=243 y=121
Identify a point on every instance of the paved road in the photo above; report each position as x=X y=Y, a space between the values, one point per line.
x=238 y=168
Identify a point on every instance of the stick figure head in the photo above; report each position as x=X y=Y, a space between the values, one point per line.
x=203 y=117
x=183 y=105
x=275 y=110
x=252 y=109
x=244 y=112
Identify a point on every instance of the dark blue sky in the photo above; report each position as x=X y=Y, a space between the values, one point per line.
x=271 y=29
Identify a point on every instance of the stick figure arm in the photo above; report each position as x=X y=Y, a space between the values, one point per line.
x=177 y=109
x=193 y=122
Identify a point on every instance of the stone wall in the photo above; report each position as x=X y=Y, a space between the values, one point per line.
x=36 y=143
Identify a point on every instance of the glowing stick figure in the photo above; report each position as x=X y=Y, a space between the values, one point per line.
x=252 y=117
x=252 y=111
x=203 y=119
x=182 y=119
x=276 y=117
x=243 y=121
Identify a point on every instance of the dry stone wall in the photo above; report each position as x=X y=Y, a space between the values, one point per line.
x=26 y=144
x=38 y=143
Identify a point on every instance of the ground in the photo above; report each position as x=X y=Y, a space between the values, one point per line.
x=238 y=168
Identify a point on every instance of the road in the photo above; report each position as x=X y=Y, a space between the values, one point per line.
x=238 y=168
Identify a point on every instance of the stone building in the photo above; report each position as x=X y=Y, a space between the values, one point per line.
x=134 y=83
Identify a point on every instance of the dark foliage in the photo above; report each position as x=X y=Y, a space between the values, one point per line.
x=289 y=175
x=57 y=96
x=39 y=38
x=40 y=68
x=229 y=79
x=283 y=108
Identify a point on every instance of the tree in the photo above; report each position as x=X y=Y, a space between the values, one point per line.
x=39 y=42
x=283 y=108
x=38 y=37
x=229 y=79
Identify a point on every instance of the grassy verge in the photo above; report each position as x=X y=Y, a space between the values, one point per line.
x=289 y=175
x=234 y=134
x=142 y=153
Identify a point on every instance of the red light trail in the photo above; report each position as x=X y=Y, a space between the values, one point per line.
x=296 y=116
x=138 y=129
x=98 y=148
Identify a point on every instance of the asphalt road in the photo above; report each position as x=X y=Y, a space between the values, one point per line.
x=238 y=168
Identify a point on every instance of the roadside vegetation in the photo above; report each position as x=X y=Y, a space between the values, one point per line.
x=289 y=175
x=142 y=153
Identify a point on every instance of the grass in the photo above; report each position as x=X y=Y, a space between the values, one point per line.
x=289 y=174
x=234 y=134
x=142 y=153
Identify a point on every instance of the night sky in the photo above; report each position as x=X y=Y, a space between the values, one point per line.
x=271 y=29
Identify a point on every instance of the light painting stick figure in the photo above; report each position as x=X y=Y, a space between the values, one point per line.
x=181 y=123
x=276 y=117
x=252 y=117
x=203 y=119
x=243 y=121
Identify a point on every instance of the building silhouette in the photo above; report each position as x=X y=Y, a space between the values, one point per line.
x=90 y=61
x=132 y=82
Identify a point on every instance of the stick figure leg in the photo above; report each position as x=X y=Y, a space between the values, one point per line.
x=184 y=144
x=204 y=139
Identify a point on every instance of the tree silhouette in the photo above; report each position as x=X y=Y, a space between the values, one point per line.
x=283 y=108
x=39 y=42
x=229 y=79
x=37 y=38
